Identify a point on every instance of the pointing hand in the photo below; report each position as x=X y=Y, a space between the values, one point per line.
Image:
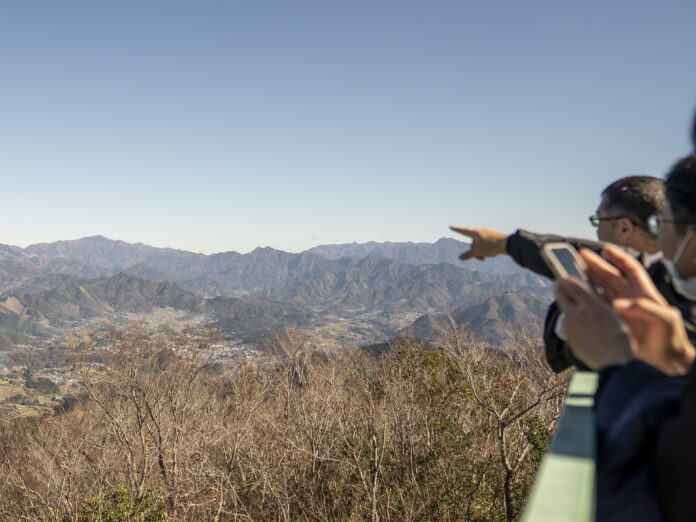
x=484 y=243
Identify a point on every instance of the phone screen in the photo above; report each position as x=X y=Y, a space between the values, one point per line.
x=565 y=257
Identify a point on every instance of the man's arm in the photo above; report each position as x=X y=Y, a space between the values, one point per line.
x=523 y=246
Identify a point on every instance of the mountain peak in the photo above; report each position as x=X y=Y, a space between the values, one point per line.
x=266 y=250
x=81 y=240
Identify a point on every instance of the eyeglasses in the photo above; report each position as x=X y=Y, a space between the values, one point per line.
x=655 y=222
x=595 y=220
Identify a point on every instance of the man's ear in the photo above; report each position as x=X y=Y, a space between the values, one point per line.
x=626 y=227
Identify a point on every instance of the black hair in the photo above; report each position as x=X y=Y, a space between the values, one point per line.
x=680 y=187
x=638 y=196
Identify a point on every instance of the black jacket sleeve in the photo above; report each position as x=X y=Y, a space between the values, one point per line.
x=554 y=345
x=558 y=353
x=525 y=248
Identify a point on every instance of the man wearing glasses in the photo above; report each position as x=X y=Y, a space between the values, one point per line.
x=621 y=218
x=645 y=411
x=623 y=214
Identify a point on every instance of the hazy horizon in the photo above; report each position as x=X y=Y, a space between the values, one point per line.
x=462 y=239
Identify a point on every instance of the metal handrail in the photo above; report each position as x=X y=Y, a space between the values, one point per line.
x=564 y=488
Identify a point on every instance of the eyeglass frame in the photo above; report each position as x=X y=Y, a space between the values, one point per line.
x=595 y=220
x=655 y=221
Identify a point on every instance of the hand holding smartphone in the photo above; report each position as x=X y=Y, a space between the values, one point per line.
x=564 y=261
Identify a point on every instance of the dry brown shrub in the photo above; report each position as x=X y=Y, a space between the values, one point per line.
x=412 y=434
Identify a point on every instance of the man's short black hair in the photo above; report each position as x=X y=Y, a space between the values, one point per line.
x=638 y=196
x=680 y=187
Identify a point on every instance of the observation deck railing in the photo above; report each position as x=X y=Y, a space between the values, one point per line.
x=564 y=489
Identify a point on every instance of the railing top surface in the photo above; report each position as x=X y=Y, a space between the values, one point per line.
x=564 y=486
x=583 y=383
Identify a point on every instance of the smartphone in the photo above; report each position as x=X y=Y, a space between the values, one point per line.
x=564 y=261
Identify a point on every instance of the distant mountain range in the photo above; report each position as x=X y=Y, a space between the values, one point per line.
x=70 y=301
x=46 y=287
x=445 y=250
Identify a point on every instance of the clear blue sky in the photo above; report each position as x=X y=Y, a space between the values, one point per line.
x=226 y=125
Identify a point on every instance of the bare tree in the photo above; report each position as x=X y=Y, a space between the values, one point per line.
x=434 y=431
x=508 y=383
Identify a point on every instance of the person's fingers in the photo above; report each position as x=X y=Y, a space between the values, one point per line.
x=650 y=324
x=603 y=274
x=643 y=309
x=578 y=291
x=574 y=292
x=469 y=254
x=633 y=271
x=598 y=264
x=621 y=259
x=565 y=303
x=620 y=275
x=642 y=315
x=468 y=232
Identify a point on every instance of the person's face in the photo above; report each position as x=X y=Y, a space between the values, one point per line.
x=608 y=230
x=671 y=241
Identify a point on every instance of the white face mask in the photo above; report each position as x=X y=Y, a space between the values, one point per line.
x=684 y=287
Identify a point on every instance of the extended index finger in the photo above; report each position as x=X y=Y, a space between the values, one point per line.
x=468 y=232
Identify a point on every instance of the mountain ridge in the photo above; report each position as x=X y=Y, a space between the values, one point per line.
x=76 y=300
x=373 y=285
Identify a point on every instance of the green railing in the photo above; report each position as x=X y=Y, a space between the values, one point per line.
x=564 y=489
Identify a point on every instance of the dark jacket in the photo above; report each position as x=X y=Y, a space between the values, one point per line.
x=631 y=405
x=675 y=459
x=663 y=281
x=637 y=407
x=525 y=248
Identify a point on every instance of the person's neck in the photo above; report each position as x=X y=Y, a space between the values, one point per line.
x=647 y=246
